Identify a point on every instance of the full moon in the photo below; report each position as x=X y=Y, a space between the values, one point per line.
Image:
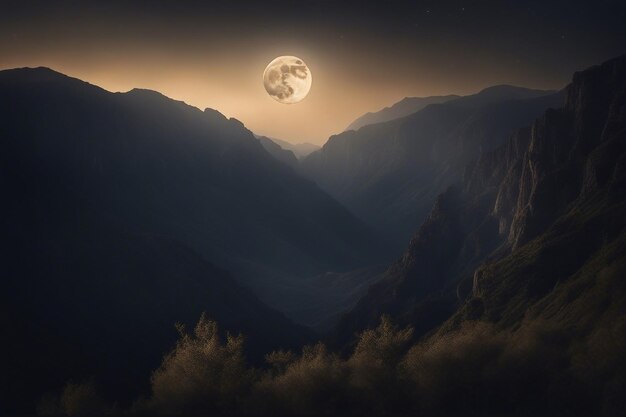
x=287 y=79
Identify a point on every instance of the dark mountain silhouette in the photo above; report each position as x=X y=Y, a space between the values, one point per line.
x=116 y=209
x=535 y=231
x=402 y=108
x=149 y=164
x=499 y=93
x=285 y=156
x=410 y=105
x=82 y=303
x=300 y=150
x=390 y=173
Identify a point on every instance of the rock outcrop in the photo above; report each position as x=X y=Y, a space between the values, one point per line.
x=529 y=219
x=389 y=174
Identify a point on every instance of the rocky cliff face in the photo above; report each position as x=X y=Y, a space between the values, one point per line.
x=528 y=219
x=570 y=206
x=390 y=173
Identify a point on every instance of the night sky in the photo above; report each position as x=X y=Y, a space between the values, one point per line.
x=363 y=56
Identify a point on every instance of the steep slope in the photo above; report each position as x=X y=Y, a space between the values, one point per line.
x=402 y=108
x=99 y=303
x=566 y=228
x=285 y=156
x=390 y=173
x=149 y=164
x=330 y=295
x=104 y=195
x=300 y=150
x=535 y=231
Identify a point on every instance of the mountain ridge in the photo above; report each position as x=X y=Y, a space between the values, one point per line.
x=389 y=173
x=402 y=108
x=300 y=150
x=285 y=156
x=410 y=105
x=105 y=193
x=531 y=222
x=140 y=164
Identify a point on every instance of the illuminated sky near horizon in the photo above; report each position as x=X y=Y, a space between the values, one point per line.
x=363 y=56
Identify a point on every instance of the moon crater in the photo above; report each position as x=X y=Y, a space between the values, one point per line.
x=287 y=79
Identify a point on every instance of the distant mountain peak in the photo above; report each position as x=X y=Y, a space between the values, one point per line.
x=214 y=114
x=147 y=93
x=507 y=87
x=300 y=150
x=284 y=155
x=27 y=75
x=410 y=105
x=236 y=122
x=32 y=71
x=402 y=108
x=509 y=91
x=152 y=96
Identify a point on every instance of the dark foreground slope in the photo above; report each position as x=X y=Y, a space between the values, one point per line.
x=114 y=209
x=81 y=304
x=153 y=165
x=390 y=173
x=536 y=228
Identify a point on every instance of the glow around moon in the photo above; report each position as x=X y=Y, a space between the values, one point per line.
x=287 y=79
